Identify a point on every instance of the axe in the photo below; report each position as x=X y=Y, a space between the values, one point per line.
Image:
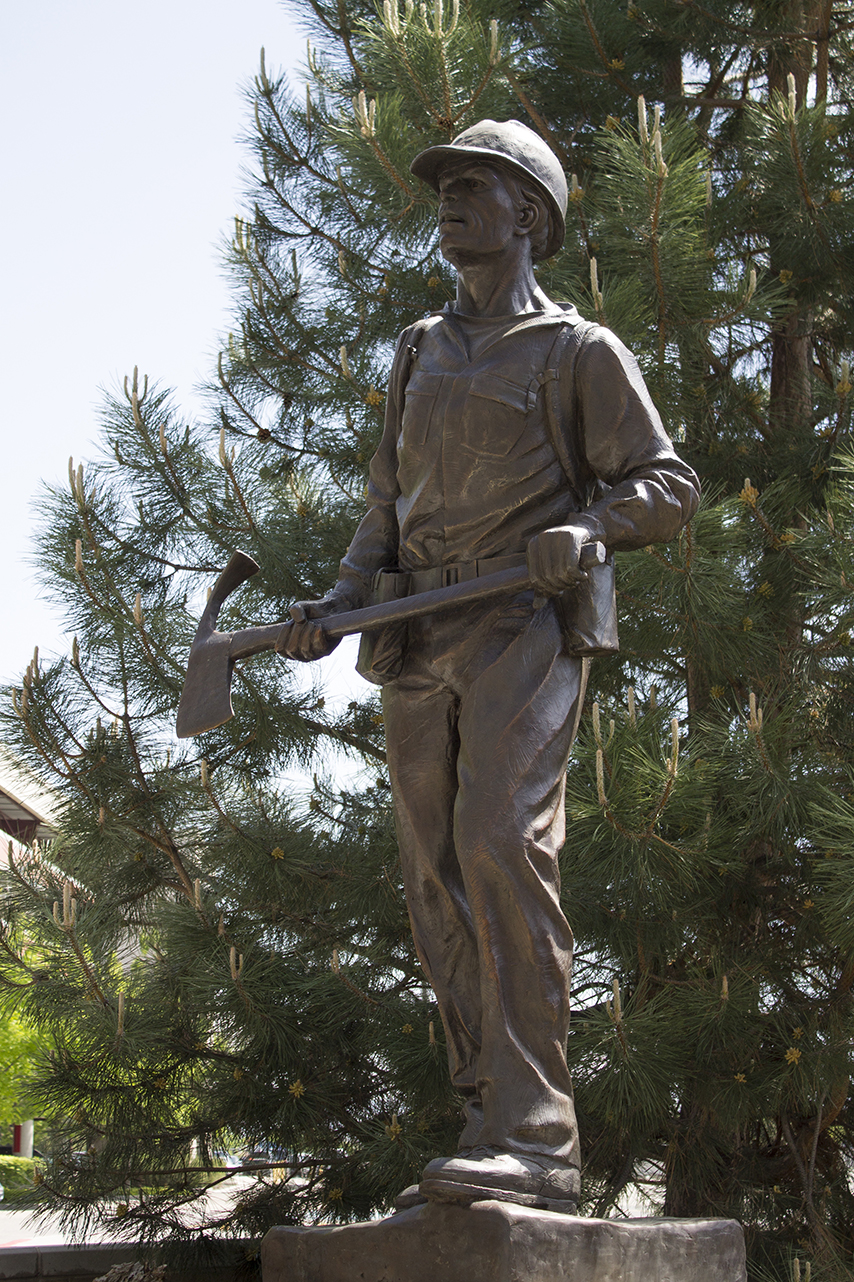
x=206 y=697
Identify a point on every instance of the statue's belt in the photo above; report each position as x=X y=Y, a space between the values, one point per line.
x=443 y=576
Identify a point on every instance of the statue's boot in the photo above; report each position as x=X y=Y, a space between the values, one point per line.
x=485 y=1174
x=411 y=1196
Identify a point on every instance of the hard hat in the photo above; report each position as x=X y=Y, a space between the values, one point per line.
x=515 y=147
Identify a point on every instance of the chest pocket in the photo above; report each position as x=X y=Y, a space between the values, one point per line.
x=496 y=414
x=422 y=389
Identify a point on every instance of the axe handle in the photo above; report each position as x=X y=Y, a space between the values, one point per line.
x=505 y=582
x=414 y=607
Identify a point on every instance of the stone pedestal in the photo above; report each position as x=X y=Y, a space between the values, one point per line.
x=499 y=1242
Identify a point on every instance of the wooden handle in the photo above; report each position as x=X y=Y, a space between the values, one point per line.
x=503 y=583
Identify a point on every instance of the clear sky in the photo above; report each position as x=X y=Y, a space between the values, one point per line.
x=121 y=167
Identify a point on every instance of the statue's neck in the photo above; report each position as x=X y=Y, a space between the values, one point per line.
x=497 y=285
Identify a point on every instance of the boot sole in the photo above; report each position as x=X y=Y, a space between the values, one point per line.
x=439 y=1190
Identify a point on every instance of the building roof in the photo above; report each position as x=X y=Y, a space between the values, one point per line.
x=27 y=810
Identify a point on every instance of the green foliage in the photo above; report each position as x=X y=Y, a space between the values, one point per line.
x=221 y=960
x=21 y=1048
x=17 y=1175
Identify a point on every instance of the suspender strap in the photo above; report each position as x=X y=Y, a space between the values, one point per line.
x=560 y=363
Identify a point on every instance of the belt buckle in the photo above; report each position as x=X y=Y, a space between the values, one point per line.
x=450 y=575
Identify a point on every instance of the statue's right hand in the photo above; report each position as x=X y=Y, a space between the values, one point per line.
x=304 y=638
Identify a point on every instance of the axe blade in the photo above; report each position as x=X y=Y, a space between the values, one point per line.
x=206 y=697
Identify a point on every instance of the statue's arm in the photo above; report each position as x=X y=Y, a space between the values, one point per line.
x=374 y=545
x=619 y=439
x=653 y=493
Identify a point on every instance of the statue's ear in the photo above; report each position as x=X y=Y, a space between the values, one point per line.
x=530 y=219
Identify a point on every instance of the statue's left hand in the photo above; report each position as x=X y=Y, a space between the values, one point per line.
x=553 y=558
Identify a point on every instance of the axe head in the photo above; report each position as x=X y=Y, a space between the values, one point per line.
x=206 y=697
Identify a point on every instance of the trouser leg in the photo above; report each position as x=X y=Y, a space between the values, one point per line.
x=421 y=733
x=478 y=740
x=516 y=725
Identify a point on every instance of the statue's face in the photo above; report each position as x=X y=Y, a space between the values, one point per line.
x=477 y=214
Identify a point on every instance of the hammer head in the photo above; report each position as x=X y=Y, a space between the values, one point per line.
x=206 y=697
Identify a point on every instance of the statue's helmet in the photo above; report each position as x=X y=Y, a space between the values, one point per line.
x=512 y=146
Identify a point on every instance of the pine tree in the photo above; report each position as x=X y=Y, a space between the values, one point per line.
x=218 y=963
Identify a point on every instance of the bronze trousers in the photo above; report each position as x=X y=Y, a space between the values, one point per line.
x=479 y=726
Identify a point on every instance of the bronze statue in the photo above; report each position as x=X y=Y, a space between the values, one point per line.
x=515 y=435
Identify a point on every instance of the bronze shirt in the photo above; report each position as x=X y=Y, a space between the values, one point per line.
x=468 y=468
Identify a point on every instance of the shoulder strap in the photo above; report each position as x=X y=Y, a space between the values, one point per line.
x=564 y=435
x=407 y=351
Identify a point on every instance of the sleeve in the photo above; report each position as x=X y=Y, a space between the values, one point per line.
x=651 y=493
x=375 y=544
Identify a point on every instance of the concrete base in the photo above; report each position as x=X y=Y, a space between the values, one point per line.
x=499 y=1242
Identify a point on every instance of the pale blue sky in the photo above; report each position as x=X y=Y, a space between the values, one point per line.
x=121 y=164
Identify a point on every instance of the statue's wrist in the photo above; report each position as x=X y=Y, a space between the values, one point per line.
x=589 y=527
x=342 y=597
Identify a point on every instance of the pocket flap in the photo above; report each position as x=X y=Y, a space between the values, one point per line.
x=422 y=382
x=495 y=388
